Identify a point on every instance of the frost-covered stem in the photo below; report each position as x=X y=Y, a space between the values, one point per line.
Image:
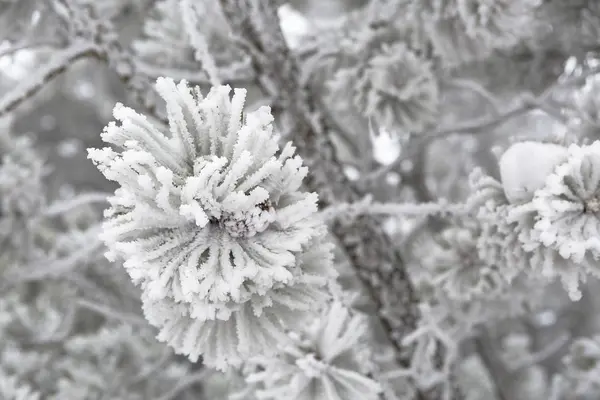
x=63 y=206
x=236 y=73
x=59 y=62
x=190 y=13
x=373 y=255
x=367 y=207
x=101 y=34
x=112 y=314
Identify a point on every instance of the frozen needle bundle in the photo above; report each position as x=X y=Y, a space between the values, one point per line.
x=211 y=223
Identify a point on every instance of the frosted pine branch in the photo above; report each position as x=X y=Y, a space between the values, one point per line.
x=62 y=206
x=54 y=268
x=236 y=73
x=367 y=207
x=210 y=222
x=108 y=312
x=221 y=225
x=190 y=12
x=59 y=62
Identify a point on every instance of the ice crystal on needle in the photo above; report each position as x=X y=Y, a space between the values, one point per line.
x=568 y=207
x=211 y=223
x=326 y=361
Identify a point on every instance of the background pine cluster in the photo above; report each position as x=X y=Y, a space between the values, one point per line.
x=431 y=231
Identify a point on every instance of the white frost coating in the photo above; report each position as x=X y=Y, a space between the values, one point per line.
x=554 y=209
x=525 y=166
x=326 y=361
x=568 y=207
x=462 y=31
x=247 y=329
x=190 y=12
x=457 y=268
x=211 y=223
x=36 y=80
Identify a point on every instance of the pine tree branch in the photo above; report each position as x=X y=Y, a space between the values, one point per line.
x=59 y=62
x=378 y=263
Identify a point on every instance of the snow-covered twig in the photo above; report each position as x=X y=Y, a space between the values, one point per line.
x=189 y=13
x=110 y=313
x=367 y=207
x=58 y=63
x=236 y=73
x=62 y=206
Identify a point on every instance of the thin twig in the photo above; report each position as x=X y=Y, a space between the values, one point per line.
x=366 y=206
x=60 y=207
x=59 y=62
x=470 y=127
x=112 y=314
x=235 y=74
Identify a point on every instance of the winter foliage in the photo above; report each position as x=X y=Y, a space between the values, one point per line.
x=464 y=30
x=211 y=223
x=327 y=359
x=396 y=87
x=304 y=200
x=21 y=194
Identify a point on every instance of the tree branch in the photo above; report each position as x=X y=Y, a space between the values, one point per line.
x=378 y=264
x=58 y=63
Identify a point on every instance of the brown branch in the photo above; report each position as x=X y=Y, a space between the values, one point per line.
x=378 y=264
